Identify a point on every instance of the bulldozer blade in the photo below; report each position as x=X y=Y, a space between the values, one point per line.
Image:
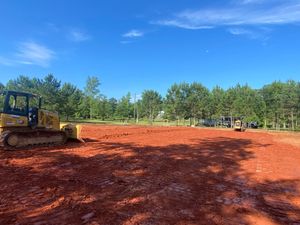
x=72 y=131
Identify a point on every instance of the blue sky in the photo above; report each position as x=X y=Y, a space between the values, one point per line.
x=132 y=45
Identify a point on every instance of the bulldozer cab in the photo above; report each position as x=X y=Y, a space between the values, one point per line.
x=20 y=104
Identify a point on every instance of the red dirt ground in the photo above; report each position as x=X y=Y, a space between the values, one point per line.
x=154 y=175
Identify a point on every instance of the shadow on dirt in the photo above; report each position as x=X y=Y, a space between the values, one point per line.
x=123 y=183
x=88 y=140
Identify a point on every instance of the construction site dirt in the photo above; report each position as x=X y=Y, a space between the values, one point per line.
x=154 y=175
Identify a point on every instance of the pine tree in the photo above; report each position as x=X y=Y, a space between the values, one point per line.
x=151 y=104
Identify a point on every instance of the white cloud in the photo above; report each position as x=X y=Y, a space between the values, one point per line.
x=78 y=36
x=260 y=34
x=133 y=34
x=32 y=53
x=252 y=1
x=181 y=24
x=248 y=2
x=285 y=13
x=29 y=53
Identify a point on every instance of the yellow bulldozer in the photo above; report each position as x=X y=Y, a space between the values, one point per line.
x=24 y=123
x=239 y=125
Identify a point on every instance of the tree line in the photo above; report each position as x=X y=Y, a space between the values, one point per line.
x=275 y=105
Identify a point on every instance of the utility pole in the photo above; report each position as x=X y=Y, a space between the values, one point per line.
x=134 y=108
x=137 y=115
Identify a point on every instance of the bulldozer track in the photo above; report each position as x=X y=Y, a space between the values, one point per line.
x=12 y=140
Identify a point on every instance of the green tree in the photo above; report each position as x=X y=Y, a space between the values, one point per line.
x=49 y=89
x=24 y=84
x=151 y=104
x=124 y=109
x=91 y=92
x=297 y=104
x=103 y=108
x=1 y=87
x=273 y=97
x=111 y=107
x=243 y=101
x=70 y=98
x=175 y=104
x=197 y=101
x=216 y=103
x=1 y=97
x=92 y=86
x=259 y=108
x=84 y=108
x=172 y=104
x=290 y=103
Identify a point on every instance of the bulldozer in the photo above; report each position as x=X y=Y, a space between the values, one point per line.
x=24 y=123
x=239 y=126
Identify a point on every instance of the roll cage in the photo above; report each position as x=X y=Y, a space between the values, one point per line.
x=18 y=103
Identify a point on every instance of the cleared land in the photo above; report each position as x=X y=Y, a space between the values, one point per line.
x=155 y=175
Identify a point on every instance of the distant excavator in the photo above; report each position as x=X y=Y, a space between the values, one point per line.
x=239 y=125
x=24 y=123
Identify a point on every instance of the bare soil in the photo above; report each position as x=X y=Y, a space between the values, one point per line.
x=154 y=175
